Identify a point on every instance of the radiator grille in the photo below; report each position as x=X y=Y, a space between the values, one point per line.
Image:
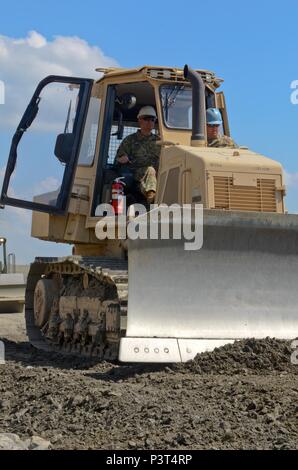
x=261 y=198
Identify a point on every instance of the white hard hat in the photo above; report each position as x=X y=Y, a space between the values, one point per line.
x=147 y=111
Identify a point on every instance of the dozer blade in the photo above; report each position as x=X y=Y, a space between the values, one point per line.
x=242 y=283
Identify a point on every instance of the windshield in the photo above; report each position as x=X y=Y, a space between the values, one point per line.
x=176 y=103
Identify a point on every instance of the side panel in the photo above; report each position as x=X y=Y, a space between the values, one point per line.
x=170 y=176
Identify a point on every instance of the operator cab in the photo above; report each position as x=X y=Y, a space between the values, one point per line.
x=125 y=102
x=65 y=145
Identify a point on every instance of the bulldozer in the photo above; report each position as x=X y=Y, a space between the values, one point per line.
x=12 y=284
x=149 y=300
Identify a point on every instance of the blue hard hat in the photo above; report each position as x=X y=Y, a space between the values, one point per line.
x=213 y=116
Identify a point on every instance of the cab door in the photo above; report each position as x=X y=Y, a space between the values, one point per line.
x=45 y=147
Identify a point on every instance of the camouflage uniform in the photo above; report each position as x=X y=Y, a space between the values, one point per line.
x=143 y=153
x=223 y=141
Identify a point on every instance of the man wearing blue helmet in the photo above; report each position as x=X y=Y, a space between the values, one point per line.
x=214 y=121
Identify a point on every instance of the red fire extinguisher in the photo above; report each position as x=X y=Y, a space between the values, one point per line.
x=118 y=196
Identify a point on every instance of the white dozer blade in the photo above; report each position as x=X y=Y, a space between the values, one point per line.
x=242 y=283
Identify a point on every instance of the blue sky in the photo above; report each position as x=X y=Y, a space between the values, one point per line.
x=252 y=46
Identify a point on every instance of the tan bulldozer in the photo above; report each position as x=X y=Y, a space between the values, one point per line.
x=141 y=299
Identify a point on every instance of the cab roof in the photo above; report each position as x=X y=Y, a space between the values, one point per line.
x=160 y=73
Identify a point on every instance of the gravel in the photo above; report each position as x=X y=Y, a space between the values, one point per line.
x=241 y=396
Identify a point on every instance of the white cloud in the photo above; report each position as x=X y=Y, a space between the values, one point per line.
x=33 y=39
x=291 y=179
x=48 y=184
x=23 y=63
x=26 y=61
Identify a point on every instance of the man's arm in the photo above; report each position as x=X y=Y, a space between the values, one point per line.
x=223 y=141
x=123 y=150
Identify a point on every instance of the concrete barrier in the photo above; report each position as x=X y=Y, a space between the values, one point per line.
x=12 y=293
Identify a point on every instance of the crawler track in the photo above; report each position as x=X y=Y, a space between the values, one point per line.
x=91 y=305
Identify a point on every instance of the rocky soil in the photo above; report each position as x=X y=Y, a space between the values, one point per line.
x=241 y=396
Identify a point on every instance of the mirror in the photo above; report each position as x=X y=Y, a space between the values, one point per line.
x=126 y=101
x=63 y=147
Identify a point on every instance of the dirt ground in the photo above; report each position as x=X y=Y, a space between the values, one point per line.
x=242 y=396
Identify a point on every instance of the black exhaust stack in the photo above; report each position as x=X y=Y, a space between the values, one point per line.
x=198 y=137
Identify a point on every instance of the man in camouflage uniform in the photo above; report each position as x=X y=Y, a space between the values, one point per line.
x=139 y=154
x=214 y=121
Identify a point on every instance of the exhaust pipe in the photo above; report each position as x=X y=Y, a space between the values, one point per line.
x=198 y=137
x=3 y=243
